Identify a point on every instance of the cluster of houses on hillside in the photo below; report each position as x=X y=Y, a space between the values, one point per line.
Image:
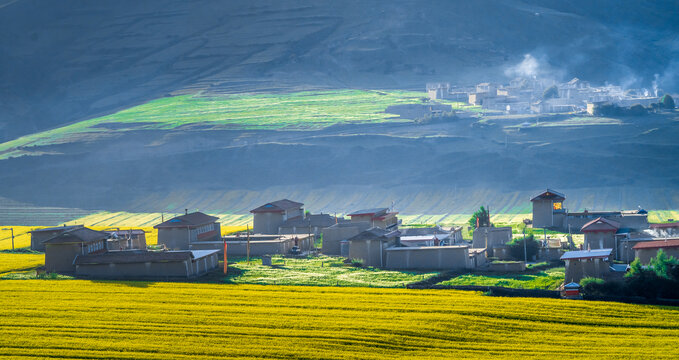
x=191 y=244
x=525 y=95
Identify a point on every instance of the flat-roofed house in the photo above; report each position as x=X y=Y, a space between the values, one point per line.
x=548 y=211
x=40 y=235
x=453 y=257
x=309 y=223
x=142 y=264
x=586 y=263
x=129 y=239
x=342 y=231
x=370 y=246
x=377 y=217
x=269 y=217
x=62 y=249
x=645 y=251
x=490 y=237
x=178 y=233
x=600 y=233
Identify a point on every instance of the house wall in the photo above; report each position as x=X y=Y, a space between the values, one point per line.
x=175 y=269
x=334 y=234
x=578 y=269
x=181 y=269
x=431 y=257
x=515 y=266
x=257 y=248
x=372 y=252
x=625 y=251
x=497 y=236
x=645 y=255
x=599 y=240
x=59 y=257
x=550 y=254
x=542 y=213
x=267 y=222
x=174 y=238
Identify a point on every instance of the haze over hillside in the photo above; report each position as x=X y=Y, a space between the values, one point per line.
x=68 y=61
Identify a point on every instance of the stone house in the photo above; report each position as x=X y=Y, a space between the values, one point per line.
x=268 y=218
x=178 y=233
x=370 y=246
x=38 y=236
x=645 y=251
x=377 y=217
x=587 y=263
x=142 y=264
x=62 y=249
x=600 y=233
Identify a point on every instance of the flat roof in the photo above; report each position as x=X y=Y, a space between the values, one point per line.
x=657 y=244
x=587 y=254
x=402 y=248
x=441 y=236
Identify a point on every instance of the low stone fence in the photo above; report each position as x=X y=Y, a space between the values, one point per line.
x=513 y=266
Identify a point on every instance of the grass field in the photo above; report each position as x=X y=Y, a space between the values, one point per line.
x=549 y=279
x=318 y=271
x=117 y=320
x=288 y=111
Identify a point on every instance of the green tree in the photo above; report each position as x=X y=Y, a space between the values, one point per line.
x=483 y=218
x=667 y=102
x=662 y=264
x=516 y=248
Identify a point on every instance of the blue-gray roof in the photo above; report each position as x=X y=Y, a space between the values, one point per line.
x=587 y=254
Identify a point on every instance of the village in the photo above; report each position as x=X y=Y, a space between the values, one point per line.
x=191 y=245
x=525 y=95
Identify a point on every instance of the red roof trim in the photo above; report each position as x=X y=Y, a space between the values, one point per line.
x=658 y=244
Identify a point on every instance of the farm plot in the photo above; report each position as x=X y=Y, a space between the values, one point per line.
x=288 y=111
x=135 y=320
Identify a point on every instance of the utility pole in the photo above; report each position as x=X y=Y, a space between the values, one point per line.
x=12 y=230
x=247 y=227
x=525 y=249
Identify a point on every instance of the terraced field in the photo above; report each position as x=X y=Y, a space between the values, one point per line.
x=289 y=111
x=138 y=320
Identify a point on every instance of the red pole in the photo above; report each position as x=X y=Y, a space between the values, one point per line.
x=225 y=262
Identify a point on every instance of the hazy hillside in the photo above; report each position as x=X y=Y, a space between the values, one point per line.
x=62 y=61
x=157 y=99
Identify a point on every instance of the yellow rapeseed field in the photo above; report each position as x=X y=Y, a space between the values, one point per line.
x=18 y=262
x=135 y=320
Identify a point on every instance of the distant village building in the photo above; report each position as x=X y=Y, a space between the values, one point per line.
x=550 y=213
x=334 y=235
x=38 y=236
x=269 y=217
x=178 y=233
x=62 y=249
x=452 y=257
x=645 y=251
x=370 y=246
x=259 y=244
x=526 y=95
x=142 y=264
x=309 y=223
x=132 y=239
x=377 y=217
x=491 y=237
x=587 y=263
x=600 y=233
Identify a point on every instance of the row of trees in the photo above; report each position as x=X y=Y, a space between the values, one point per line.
x=660 y=279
